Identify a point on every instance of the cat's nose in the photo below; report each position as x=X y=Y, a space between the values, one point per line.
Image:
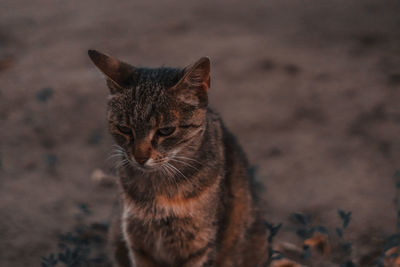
x=141 y=160
x=142 y=150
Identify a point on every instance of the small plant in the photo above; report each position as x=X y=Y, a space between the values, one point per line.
x=345 y=217
x=273 y=231
x=81 y=247
x=391 y=246
x=346 y=246
x=307 y=230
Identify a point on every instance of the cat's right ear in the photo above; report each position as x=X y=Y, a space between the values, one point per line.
x=193 y=86
x=119 y=74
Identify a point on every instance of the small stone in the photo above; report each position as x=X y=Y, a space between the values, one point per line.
x=101 y=178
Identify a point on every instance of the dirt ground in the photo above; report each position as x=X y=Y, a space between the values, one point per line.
x=310 y=88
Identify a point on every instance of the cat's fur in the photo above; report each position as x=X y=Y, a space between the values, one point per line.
x=187 y=198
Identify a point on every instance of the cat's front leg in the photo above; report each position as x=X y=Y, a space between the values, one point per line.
x=201 y=259
x=142 y=260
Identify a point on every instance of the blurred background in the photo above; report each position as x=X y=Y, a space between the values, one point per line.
x=311 y=89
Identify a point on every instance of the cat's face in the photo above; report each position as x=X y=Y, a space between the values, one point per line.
x=156 y=116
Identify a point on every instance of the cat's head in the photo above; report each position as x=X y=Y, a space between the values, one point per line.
x=156 y=115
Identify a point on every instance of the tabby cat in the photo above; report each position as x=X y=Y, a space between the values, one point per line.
x=187 y=198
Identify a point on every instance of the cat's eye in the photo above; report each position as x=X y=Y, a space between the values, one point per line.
x=124 y=129
x=166 y=131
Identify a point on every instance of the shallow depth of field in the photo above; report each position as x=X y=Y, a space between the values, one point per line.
x=311 y=89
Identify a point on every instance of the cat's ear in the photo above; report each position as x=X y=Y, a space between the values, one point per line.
x=193 y=86
x=118 y=73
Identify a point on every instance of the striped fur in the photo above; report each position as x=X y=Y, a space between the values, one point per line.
x=191 y=202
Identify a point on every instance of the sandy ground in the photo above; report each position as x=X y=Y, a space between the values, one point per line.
x=310 y=88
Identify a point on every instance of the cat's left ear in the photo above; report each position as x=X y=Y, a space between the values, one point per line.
x=193 y=86
x=119 y=74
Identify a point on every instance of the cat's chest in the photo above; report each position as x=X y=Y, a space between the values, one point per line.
x=161 y=206
x=169 y=226
x=150 y=236
x=165 y=214
x=167 y=237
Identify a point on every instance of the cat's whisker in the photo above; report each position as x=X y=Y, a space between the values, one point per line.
x=187 y=158
x=161 y=169
x=124 y=162
x=159 y=161
x=171 y=176
x=115 y=155
x=120 y=164
x=185 y=163
x=174 y=173
x=118 y=152
x=178 y=171
x=117 y=146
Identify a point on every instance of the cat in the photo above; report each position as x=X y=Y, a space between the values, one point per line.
x=187 y=196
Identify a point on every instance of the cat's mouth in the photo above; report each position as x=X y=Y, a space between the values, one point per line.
x=152 y=165
x=170 y=165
